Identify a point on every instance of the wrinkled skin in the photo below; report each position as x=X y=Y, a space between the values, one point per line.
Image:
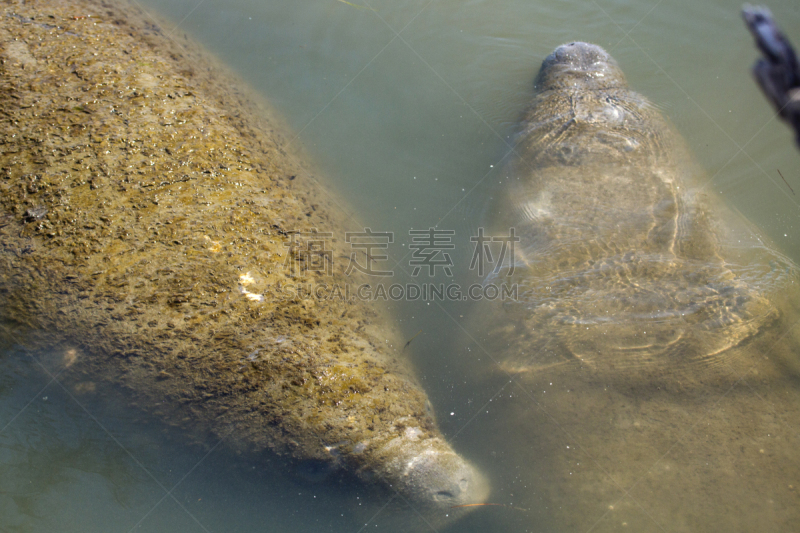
x=616 y=235
x=654 y=332
x=146 y=211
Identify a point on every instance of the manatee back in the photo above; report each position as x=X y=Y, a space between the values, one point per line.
x=626 y=266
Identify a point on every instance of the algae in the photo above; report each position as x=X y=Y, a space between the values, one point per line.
x=148 y=208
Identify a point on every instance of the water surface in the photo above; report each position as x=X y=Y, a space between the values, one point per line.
x=406 y=109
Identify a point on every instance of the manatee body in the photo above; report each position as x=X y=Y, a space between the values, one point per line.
x=653 y=329
x=147 y=216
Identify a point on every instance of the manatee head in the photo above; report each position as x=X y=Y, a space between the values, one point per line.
x=579 y=66
x=428 y=474
x=583 y=110
x=441 y=478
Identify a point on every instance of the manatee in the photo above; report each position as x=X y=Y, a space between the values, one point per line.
x=152 y=220
x=654 y=333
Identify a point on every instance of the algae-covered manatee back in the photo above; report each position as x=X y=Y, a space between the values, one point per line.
x=152 y=223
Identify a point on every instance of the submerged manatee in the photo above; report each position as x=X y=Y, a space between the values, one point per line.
x=147 y=222
x=654 y=327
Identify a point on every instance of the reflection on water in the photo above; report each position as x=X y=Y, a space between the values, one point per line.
x=411 y=129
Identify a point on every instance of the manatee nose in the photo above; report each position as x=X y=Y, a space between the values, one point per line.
x=448 y=479
x=579 y=55
x=579 y=66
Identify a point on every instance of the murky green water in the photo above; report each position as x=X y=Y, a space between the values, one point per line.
x=405 y=108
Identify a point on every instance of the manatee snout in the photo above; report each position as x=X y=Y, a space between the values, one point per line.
x=444 y=480
x=579 y=65
x=579 y=55
x=430 y=475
